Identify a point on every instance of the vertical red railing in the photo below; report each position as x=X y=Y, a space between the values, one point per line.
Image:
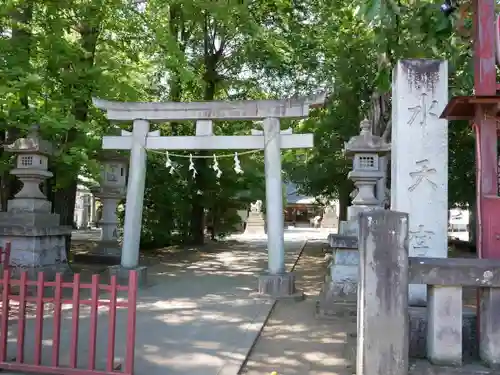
x=110 y=365
x=56 y=334
x=23 y=335
x=4 y=319
x=21 y=322
x=75 y=316
x=39 y=318
x=132 y=305
x=93 y=321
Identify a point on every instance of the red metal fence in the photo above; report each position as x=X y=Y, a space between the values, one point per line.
x=40 y=300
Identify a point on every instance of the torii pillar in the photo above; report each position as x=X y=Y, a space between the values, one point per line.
x=276 y=282
x=482 y=110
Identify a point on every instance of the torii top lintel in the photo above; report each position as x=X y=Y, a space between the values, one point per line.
x=211 y=110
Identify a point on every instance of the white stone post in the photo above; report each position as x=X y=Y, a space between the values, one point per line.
x=135 y=195
x=380 y=187
x=93 y=218
x=274 y=196
x=109 y=220
x=86 y=211
x=419 y=160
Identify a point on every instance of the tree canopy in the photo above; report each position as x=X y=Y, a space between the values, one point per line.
x=55 y=56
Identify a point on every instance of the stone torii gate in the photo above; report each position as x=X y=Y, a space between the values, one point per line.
x=276 y=281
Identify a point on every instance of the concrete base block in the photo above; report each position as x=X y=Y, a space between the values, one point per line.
x=91 y=258
x=333 y=294
x=110 y=248
x=418 y=333
x=106 y=252
x=341 y=283
x=422 y=367
x=279 y=286
x=345 y=257
x=330 y=308
x=123 y=274
x=342 y=241
x=49 y=271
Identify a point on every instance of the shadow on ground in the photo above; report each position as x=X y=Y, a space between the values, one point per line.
x=196 y=317
x=294 y=341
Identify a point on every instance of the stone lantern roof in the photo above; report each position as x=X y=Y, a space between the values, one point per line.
x=32 y=144
x=366 y=142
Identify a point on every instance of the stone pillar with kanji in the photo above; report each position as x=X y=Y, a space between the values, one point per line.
x=37 y=238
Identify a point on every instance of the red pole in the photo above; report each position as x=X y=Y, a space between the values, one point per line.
x=485 y=128
x=131 y=322
x=21 y=322
x=39 y=318
x=4 y=319
x=56 y=333
x=94 y=305
x=110 y=363
x=75 y=320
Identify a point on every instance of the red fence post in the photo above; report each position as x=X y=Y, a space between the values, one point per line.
x=112 y=325
x=39 y=318
x=93 y=321
x=21 y=322
x=4 y=334
x=75 y=316
x=56 y=337
x=131 y=321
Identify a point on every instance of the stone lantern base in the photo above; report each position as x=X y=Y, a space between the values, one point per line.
x=35 y=246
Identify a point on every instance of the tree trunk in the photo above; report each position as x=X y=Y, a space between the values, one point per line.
x=212 y=57
x=64 y=205
x=344 y=200
x=199 y=186
x=64 y=198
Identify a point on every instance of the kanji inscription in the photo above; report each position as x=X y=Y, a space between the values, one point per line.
x=423 y=110
x=423 y=173
x=420 y=238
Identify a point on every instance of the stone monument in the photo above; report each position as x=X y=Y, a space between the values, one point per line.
x=330 y=219
x=419 y=179
x=255 y=221
x=342 y=275
x=419 y=162
x=37 y=239
x=110 y=191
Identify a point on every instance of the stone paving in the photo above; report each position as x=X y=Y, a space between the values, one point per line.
x=197 y=317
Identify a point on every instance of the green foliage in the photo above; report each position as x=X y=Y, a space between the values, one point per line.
x=56 y=55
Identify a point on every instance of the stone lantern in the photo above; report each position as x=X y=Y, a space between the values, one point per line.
x=38 y=241
x=111 y=190
x=341 y=281
x=365 y=150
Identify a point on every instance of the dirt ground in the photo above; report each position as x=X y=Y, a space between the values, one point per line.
x=294 y=341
